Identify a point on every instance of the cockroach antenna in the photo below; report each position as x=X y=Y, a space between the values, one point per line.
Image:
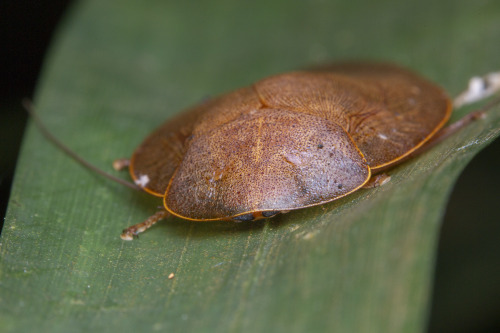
x=28 y=105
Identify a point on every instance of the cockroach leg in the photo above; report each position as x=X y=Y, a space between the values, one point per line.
x=132 y=232
x=121 y=164
x=458 y=125
x=377 y=180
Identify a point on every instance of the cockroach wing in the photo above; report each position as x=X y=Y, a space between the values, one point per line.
x=387 y=110
x=266 y=159
x=157 y=158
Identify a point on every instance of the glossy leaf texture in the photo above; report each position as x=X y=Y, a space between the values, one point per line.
x=118 y=69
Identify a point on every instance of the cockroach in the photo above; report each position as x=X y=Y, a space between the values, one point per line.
x=291 y=141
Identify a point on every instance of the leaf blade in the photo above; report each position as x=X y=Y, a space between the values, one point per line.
x=357 y=264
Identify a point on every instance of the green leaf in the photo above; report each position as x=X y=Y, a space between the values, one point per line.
x=117 y=69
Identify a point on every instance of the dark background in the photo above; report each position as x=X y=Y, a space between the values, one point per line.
x=466 y=296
